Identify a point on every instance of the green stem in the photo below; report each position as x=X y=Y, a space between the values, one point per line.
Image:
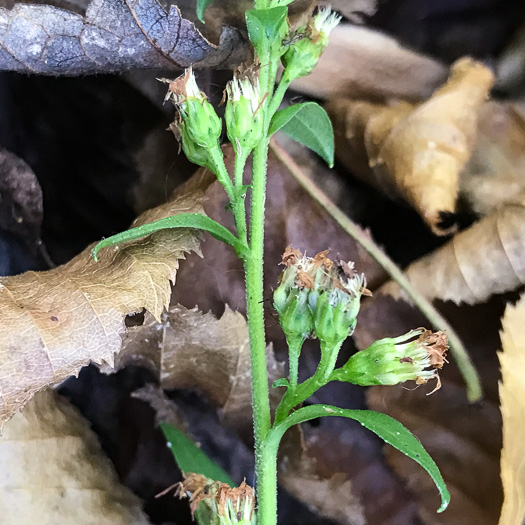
x=294 y=351
x=457 y=349
x=253 y=266
x=308 y=388
x=221 y=172
x=238 y=205
x=278 y=97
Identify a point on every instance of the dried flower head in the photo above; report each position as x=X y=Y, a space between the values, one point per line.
x=318 y=297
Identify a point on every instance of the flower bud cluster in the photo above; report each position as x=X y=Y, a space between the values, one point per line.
x=197 y=125
x=307 y=44
x=318 y=298
x=243 y=114
x=414 y=356
x=225 y=505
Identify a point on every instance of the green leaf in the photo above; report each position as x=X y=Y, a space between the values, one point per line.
x=309 y=124
x=202 y=5
x=387 y=428
x=281 y=382
x=184 y=220
x=267 y=28
x=190 y=458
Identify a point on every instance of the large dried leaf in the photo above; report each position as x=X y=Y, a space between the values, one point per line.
x=488 y=258
x=52 y=470
x=114 y=35
x=55 y=322
x=417 y=152
x=495 y=174
x=360 y=62
x=193 y=350
x=512 y=395
x=464 y=439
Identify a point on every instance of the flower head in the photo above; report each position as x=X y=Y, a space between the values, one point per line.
x=197 y=124
x=318 y=297
x=308 y=44
x=414 y=356
x=226 y=505
x=243 y=114
x=324 y=22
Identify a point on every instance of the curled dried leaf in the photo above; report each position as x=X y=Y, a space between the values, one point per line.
x=488 y=258
x=58 y=321
x=417 y=152
x=512 y=395
x=52 y=467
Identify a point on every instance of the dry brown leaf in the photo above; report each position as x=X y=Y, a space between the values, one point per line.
x=488 y=258
x=52 y=470
x=55 y=322
x=512 y=396
x=360 y=62
x=495 y=174
x=194 y=350
x=332 y=498
x=463 y=439
x=417 y=153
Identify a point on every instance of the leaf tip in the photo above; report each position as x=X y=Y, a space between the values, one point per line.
x=445 y=500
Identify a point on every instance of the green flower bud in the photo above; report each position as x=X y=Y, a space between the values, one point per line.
x=243 y=114
x=198 y=124
x=307 y=45
x=395 y=360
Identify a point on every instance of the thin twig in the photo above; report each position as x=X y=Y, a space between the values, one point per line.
x=457 y=349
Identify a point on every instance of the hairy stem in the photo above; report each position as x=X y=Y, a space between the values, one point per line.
x=308 y=388
x=238 y=206
x=253 y=265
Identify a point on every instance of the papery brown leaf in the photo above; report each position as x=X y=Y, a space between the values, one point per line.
x=360 y=62
x=512 y=396
x=52 y=469
x=194 y=350
x=332 y=498
x=420 y=152
x=114 y=35
x=488 y=258
x=495 y=174
x=55 y=322
x=463 y=439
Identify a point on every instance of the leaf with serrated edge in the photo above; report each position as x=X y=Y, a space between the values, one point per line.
x=512 y=395
x=191 y=349
x=58 y=321
x=53 y=470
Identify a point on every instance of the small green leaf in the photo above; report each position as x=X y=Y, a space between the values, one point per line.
x=190 y=458
x=387 y=428
x=267 y=28
x=309 y=124
x=184 y=220
x=281 y=382
x=202 y=5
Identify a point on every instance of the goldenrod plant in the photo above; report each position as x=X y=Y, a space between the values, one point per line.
x=317 y=297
